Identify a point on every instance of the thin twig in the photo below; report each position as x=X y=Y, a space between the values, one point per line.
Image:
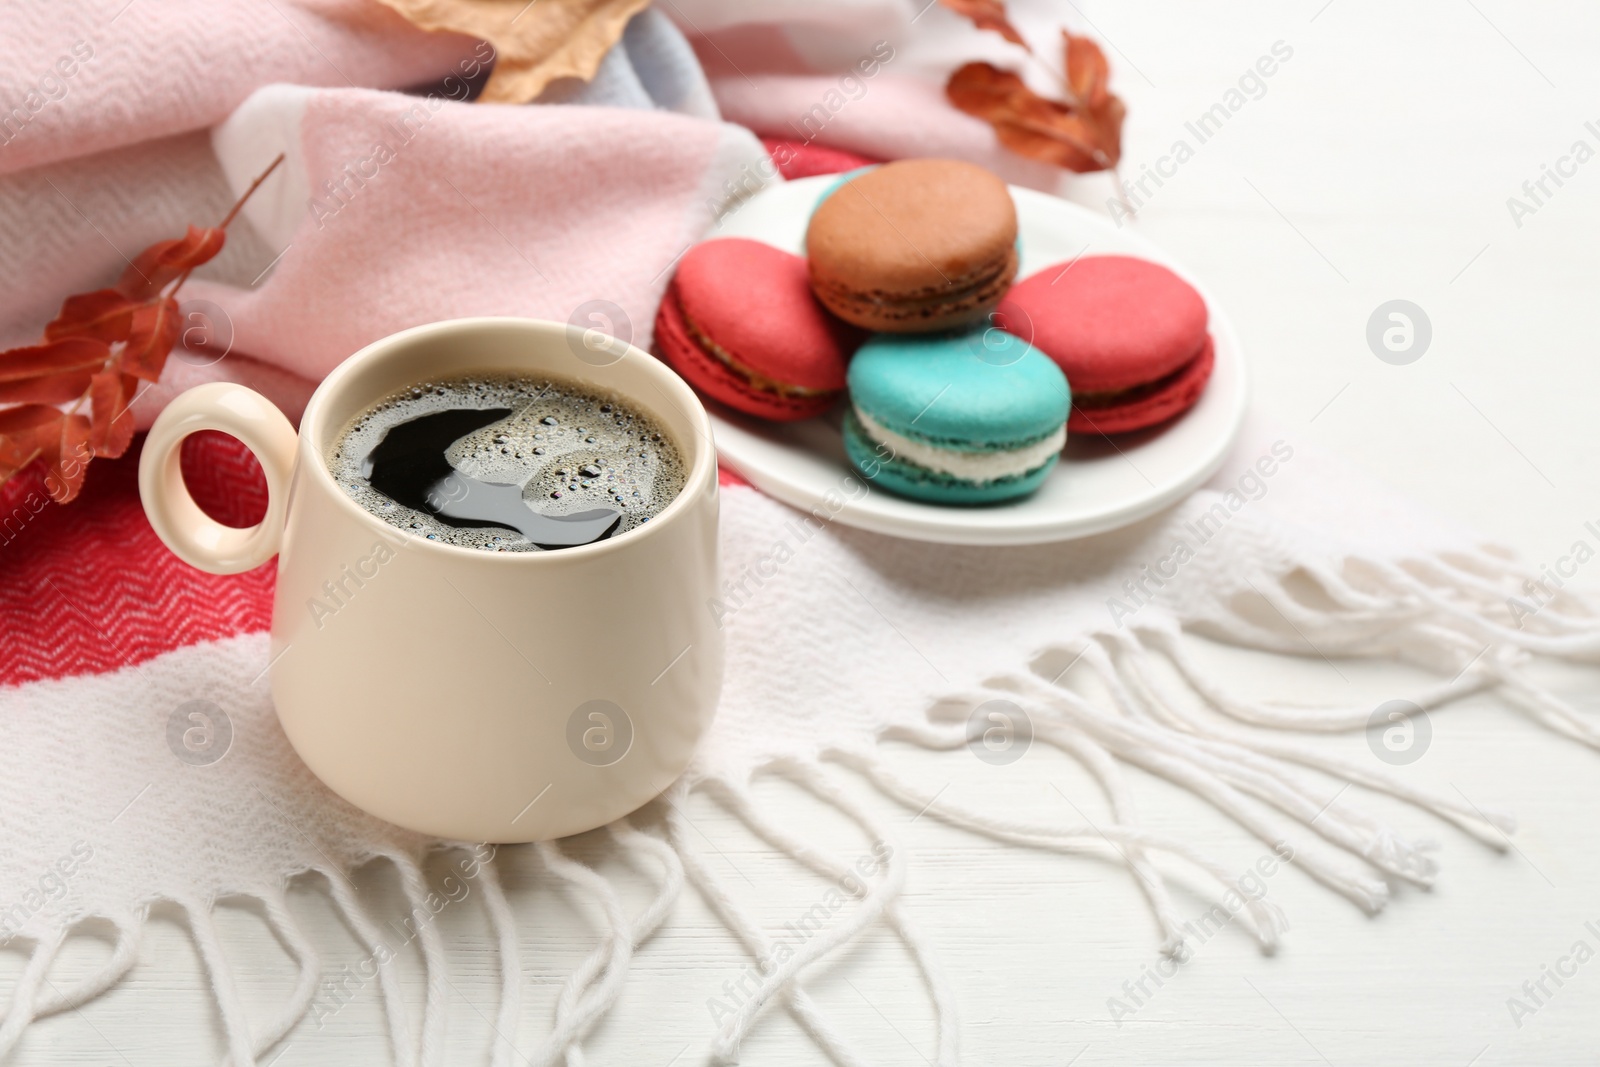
x=238 y=204
x=233 y=212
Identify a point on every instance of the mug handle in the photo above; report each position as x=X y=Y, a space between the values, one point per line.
x=194 y=536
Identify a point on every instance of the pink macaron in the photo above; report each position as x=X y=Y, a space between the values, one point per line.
x=740 y=323
x=1130 y=335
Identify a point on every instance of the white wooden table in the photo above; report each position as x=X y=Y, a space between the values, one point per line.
x=1376 y=166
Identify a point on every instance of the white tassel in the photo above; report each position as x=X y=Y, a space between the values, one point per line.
x=1544 y=705
x=1468 y=819
x=435 y=963
x=1266 y=920
x=1583 y=646
x=831 y=868
x=236 y=1027
x=580 y=998
x=1152 y=883
x=749 y=933
x=576 y=1014
x=1267 y=780
x=307 y=970
x=1280 y=717
x=24 y=996
x=401 y=1040
x=124 y=954
x=1169 y=756
x=726 y=1047
x=504 y=926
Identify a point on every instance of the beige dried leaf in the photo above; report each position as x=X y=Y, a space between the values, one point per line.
x=535 y=42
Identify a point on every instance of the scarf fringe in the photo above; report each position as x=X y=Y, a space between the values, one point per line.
x=1131 y=697
x=1460 y=616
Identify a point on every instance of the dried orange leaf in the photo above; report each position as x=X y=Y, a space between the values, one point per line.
x=1078 y=138
x=155 y=331
x=65 y=452
x=105 y=315
x=25 y=419
x=1088 y=73
x=24 y=431
x=69 y=355
x=111 y=426
x=987 y=15
x=163 y=261
x=535 y=41
x=53 y=388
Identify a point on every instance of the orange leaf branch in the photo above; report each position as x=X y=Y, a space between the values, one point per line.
x=96 y=351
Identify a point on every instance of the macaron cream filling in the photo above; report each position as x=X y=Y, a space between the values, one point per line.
x=1107 y=397
x=982 y=287
x=979 y=466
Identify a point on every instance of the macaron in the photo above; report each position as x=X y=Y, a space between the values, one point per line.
x=1129 y=334
x=839 y=181
x=973 y=418
x=740 y=324
x=914 y=246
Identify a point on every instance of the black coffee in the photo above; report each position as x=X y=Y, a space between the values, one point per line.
x=507 y=464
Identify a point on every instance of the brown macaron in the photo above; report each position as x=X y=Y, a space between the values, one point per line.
x=915 y=246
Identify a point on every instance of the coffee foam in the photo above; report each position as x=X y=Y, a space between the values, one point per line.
x=572 y=448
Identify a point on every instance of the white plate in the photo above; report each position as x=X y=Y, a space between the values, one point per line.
x=1100 y=484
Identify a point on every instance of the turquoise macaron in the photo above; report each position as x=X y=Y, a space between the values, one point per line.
x=969 y=418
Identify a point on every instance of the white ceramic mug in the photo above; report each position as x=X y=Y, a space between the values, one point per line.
x=472 y=695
